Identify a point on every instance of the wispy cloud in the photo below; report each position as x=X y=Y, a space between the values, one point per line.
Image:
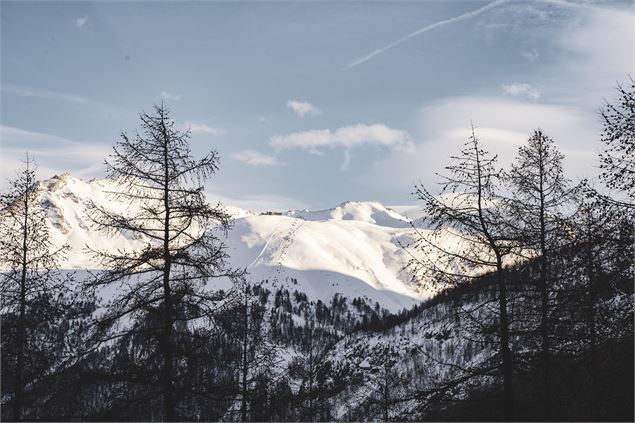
x=347 y=137
x=9 y=88
x=600 y=45
x=80 y=22
x=303 y=108
x=425 y=29
x=53 y=154
x=255 y=158
x=517 y=89
x=43 y=94
x=531 y=55
x=455 y=19
x=167 y=96
x=347 y=160
x=201 y=128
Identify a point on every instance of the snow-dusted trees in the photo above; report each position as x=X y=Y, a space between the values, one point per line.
x=600 y=290
x=617 y=157
x=162 y=287
x=29 y=288
x=305 y=367
x=470 y=210
x=310 y=368
x=258 y=354
x=384 y=384
x=539 y=192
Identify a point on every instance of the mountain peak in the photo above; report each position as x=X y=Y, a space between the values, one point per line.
x=371 y=212
x=320 y=250
x=57 y=181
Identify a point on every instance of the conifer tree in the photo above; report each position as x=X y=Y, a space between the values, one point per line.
x=539 y=191
x=470 y=210
x=602 y=256
x=617 y=157
x=307 y=367
x=258 y=354
x=165 y=283
x=386 y=384
x=29 y=285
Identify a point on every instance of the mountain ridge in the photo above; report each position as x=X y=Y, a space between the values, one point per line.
x=352 y=249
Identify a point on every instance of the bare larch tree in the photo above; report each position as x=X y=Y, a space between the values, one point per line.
x=617 y=159
x=603 y=256
x=168 y=278
x=539 y=192
x=470 y=210
x=29 y=281
x=258 y=353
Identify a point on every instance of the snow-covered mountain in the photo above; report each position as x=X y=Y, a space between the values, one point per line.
x=352 y=249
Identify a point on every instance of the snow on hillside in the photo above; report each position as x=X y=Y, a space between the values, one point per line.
x=414 y=354
x=368 y=211
x=351 y=249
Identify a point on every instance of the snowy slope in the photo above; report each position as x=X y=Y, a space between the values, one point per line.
x=351 y=249
x=436 y=346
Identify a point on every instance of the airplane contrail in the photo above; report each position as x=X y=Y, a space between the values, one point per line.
x=563 y=3
x=426 y=29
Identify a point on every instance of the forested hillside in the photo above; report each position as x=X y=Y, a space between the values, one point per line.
x=510 y=298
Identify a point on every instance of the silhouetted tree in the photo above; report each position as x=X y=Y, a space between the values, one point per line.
x=539 y=191
x=469 y=210
x=385 y=384
x=164 y=282
x=258 y=353
x=603 y=258
x=617 y=158
x=307 y=367
x=29 y=286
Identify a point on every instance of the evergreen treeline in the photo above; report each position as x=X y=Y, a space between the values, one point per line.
x=532 y=320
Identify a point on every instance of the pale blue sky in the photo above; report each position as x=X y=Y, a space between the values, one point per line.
x=310 y=103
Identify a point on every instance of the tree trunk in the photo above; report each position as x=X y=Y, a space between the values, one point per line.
x=168 y=394
x=386 y=394
x=311 y=370
x=21 y=336
x=546 y=353
x=19 y=384
x=168 y=390
x=591 y=318
x=544 y=297
x=508 y=393
x=243 y=405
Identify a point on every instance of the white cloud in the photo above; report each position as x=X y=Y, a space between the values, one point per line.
x=167 y=96
x=531 y=55
x=201 y=128
x=347 y=160
x=302 y=108
x=501 y=124
x=255 y=158
x=80 y=22
x=601 y=44
x=348 y=137
x=521 y=89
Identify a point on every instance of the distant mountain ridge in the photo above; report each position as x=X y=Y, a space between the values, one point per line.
x=352 y=249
